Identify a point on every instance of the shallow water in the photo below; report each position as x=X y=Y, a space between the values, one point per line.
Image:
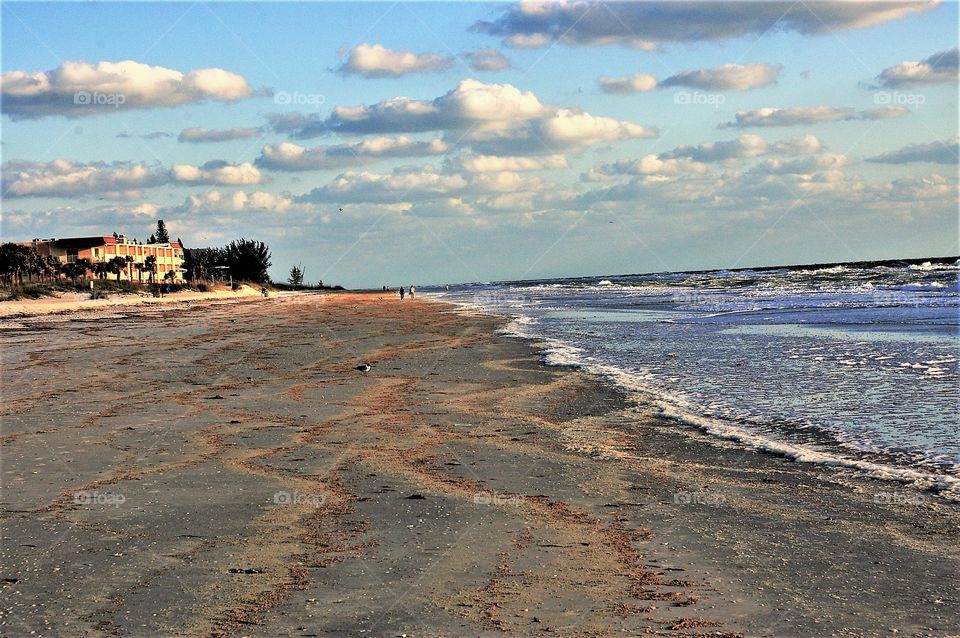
x=848 y=365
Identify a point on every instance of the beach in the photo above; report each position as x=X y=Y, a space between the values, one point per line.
x=220 y=468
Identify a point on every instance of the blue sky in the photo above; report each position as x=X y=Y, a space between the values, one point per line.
x=538 y=169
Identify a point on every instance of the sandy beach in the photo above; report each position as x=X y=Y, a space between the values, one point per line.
x=81 y=302
x=221 y=469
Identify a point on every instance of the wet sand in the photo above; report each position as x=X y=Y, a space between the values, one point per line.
x=220 y=469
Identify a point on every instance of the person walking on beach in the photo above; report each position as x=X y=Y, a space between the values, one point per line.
x=412 y=290
x=402 y=293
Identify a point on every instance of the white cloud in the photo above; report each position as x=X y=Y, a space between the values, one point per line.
x=119 y=180
x=487 y=60
x=61 y=178
x=377 y=61
x=497 y=119
x=238 y=201
x=497 y=163
x=804 y=145
x=743 y=146
x=403 y=184
x=645 y=25
x=803 y=115
x=727 y=77
x=639 y=83
x=940 y=152
x=804 y=165
x=200 y=135
x=76 y=89
x=287 y=156
x=471 y=102
x=424 y=184
x=217 y=172
x=939 y=67
x=647 y=165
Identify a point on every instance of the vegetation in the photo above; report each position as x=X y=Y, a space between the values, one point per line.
x=296 y=276
x=243 y=259
x=162 y=236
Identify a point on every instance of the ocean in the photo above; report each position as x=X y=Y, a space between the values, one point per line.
x=852 y=365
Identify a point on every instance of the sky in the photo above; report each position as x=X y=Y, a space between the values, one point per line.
x=429 y=143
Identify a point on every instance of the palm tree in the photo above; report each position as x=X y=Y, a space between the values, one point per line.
x=116 y=266
x=151 y=265
x=140 y=266
x=129 y=260
x=101 y=269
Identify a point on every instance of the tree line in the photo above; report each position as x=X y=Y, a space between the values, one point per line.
x=243 y=259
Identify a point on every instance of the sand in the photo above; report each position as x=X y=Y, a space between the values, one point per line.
x=81 y=302
x=220 y=469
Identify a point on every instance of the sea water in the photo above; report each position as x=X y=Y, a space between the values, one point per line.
x=855 y=366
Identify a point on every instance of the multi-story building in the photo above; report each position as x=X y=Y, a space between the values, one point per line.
x=169 y=257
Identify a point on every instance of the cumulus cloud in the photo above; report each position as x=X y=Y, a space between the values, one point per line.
x=743 y=146
x=940 y=152
x=648 y=165
x=216 y=202
x=727 y=77
x=499 y=163
x=403 y=184
x=217 y=172
x=201 y=135
x=645 y=25
x=61 y=178
x=802 y=166
x=77 y=89
x=803 y=115
x=377 y=61
x=639 y=83
x=497 y=119
x=939 y=67
x=117 y=180
x=425 y=185
x=471 y=102
x=561 y=130
x=287 y=156
x=487 y=60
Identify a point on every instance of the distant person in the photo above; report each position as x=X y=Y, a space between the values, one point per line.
x=263 y=291
x=413 y=289
x=446 y=287
x=402 y=293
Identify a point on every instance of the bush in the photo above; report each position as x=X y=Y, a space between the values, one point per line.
x=29 y=292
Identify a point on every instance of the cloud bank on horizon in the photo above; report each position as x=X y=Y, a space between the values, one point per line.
x=682 y=128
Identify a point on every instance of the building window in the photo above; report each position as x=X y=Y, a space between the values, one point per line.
x=71 y=256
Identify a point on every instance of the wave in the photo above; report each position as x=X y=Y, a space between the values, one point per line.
x=558 y=353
